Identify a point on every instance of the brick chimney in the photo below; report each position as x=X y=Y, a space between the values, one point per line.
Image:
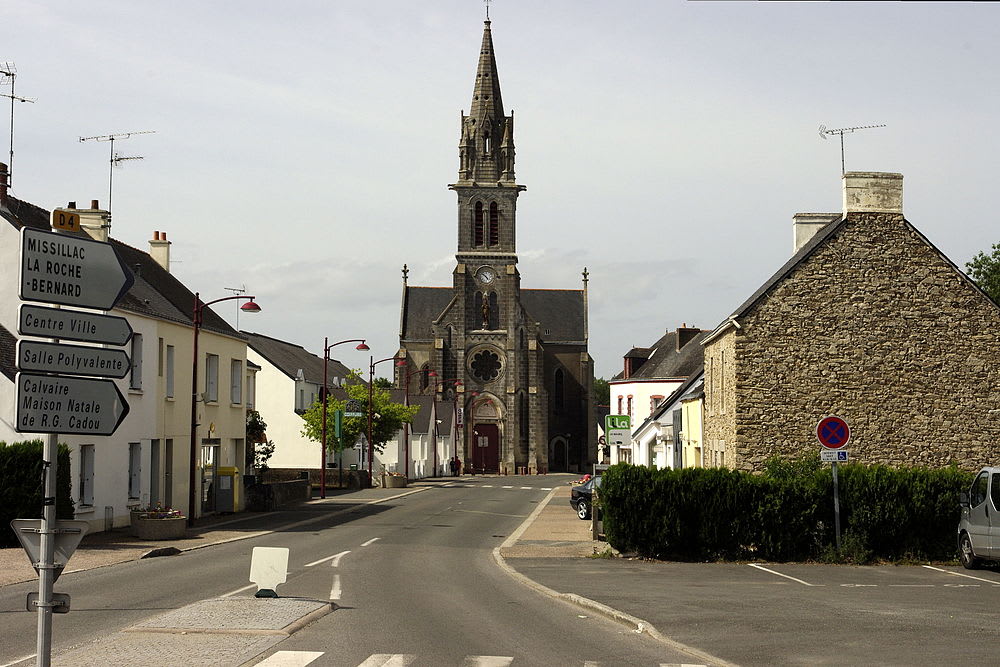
x=95 y=221
x=873 y=192
x=685 y=335
x=159 y=250
x=805 y=226
x=3 y=185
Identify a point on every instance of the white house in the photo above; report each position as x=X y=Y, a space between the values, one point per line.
x=660 y=437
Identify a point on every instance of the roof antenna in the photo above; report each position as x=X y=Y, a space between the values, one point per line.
x=7 y=75
x=823 y=132
x=116 y=159
x=242 y=289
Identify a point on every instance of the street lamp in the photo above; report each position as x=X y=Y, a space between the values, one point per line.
x=325 y=393
x=371 y=400
x=248 y=307
x=406 y=401
x=438 y=385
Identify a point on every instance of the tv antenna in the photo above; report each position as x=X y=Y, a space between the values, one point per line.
x=8 y=72
x=237 y=291
x=116 y=159
x=823 y=132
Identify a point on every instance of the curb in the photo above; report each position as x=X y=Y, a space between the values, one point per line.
x=637 y=625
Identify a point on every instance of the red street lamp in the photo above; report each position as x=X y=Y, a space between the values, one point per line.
x=371 y=400
x=326 y=392
x=248 y=307
x=406 y=401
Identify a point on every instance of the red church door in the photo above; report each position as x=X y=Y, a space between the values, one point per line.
x=486 y=448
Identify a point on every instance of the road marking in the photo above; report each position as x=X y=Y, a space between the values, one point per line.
x=488 y=660
x=680 y=664
x=485 y=486
x=525 y=487
x=374 y=539
x=388 y=660
x=911 y=585
x=860 y=585
x=520 y=516
x=335 y=589
x=290 y=658
x=545 y=488
x=804 y=583
x=506 y=487
x=959 y=574
x=335 y=558
x=238 y=590
x=19 y=660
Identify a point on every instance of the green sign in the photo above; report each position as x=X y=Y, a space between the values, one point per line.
x=617 y=421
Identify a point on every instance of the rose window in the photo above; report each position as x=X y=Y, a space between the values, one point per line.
x=485 y=365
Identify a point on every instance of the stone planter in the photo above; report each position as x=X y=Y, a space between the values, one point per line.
x=393 y=482
x=159 y=529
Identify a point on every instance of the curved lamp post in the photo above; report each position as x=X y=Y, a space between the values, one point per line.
x=402 y=363
x=440 y=384
x=371 y=400
x=326 y=392
x=248 y=307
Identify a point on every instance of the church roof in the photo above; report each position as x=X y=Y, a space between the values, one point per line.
x=560 y=313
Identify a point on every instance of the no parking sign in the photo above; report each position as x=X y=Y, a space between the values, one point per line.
x=833 y=432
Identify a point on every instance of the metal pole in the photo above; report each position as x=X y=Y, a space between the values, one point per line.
x=434 y=416
x=322 y=446
x=193 y=463
x=843 y=169
x=371 y=399
x=836 y=506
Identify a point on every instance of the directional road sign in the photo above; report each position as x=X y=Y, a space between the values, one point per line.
x=34 y=355
x=833 y=432
x=72 y=271
x=65 y=220
x=73 y=325
x=68 y=536
x=68 y=405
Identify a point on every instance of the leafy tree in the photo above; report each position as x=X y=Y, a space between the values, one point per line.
x=387 y=417
x=601 y=391
x=257 y=439
x=383 y=383
x=985 y=271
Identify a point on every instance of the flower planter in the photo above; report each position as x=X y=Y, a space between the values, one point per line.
x=171 y=528
x=393 y=482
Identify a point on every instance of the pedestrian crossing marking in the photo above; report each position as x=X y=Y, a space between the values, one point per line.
x=290 y=658
x=487 y=661
x=388 y=660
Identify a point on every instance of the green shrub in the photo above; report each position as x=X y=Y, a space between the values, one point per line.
x=786 y=513
x=21 y=487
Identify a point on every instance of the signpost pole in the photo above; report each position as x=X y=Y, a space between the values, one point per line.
x=46 y=568
x=836 y=505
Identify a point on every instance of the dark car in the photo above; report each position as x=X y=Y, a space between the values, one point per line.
x=582 y=497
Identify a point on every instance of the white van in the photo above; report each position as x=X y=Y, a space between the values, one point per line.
x=979 y=528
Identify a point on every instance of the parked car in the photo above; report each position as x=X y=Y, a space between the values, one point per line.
x=582 y=497
x=979 y=527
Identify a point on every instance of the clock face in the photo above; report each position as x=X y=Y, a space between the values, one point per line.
x=486 y=276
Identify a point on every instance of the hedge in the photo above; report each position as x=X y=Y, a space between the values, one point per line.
x=21 y=485
x=785 y=513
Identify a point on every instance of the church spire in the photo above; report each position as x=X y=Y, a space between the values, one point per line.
x=486 y=101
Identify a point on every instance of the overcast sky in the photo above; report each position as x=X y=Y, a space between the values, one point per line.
x=303 y=149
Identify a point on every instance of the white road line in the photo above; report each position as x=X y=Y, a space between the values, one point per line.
x=19 y=660
x=804 y=583
x=290 y=658
x=545 y=488
x=335 y=558
x=520 y=516
x=374 y=539
x=335 y=589
x=238 y=590
x=525 y=487
x=959 y=574
x=388 y=660
x=485 y=486
x=680 y=664
x=911 y=585
x=487 y=660
x=506 y=487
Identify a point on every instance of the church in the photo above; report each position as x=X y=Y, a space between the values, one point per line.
x=515 y=360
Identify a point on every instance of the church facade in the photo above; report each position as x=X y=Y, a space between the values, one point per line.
x=515 y=360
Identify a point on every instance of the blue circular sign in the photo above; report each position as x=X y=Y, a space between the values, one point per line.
x=833 y=432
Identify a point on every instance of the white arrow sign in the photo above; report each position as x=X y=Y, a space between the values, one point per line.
x=33 y=355
x=68 y=405
x=73 y=325
x=72 y=271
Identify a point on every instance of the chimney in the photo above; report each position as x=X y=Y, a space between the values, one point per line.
x=873 y=192
x=685 y=335
x=159 y=250
x=805 y=226
x=95 y=221
x=3 y=185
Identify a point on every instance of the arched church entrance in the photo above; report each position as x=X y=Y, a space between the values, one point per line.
x=558 y=454
x=484 y=441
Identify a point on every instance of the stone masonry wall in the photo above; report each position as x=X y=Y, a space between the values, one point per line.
x=878 y=328
x=720 y=401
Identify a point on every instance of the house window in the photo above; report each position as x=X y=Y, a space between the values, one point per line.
x=159 y=358
x=477 y=225
x=494 y=224
x=251 y=389
x=87 y=475
x=630 y=407
x=135 y=376
x=620 y=399
x=134 y=460
x=653 y=402
x=169 y=361
x=211 y=378
x=236 y=381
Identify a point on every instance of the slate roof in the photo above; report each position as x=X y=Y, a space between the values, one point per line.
x=289 y=358
x=421 y=420
x=8 y=345
x=156 y=292
x=690 y=386
x=560 y=313
x=665 y=361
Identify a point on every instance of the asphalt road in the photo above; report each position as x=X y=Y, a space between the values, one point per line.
x=413 y=579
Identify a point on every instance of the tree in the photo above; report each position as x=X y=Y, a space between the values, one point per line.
x=383 y=383
x=985 y=272
x=387 y=417
x=601 y=392
x=261 y=447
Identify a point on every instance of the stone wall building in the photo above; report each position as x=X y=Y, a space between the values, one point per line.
x=516 y=359
x=868 y=321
